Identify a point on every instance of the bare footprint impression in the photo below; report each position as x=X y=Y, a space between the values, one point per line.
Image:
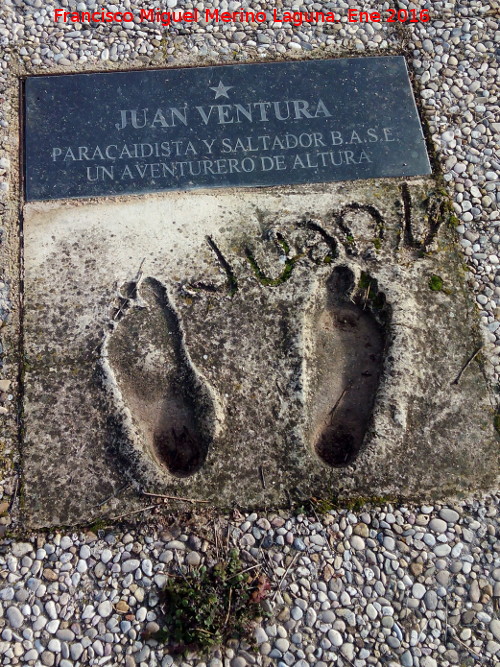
x=167 y=408
x=345 y=342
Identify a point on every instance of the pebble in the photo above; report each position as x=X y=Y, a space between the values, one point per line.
x=442 y=550
x=431 y=600
x=428 y=661
x=495 y=628
x=130 y=565
x=449 y=515
x=418 y=591
x=438 y=525
x=105 y=609
x=20 y=549
x=357 y=542
x=15 y=617
x=335 y=638
x=85 y=552
x=193 y=558
x=260 y=635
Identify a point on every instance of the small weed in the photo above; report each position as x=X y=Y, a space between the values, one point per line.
x=364 y=281
x=436 y=283
x=205 y=607
x=372 y=294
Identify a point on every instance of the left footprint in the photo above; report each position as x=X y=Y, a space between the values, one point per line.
x=171 y=407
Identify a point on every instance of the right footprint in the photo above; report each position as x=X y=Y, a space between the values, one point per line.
x=346 y=341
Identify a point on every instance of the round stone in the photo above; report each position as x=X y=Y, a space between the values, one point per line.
x=54 y=646
x=418 y=591
x=122 y=607
x=442 y=550
x=260 y=635
x=282 y=644
x=65 y=635
x=327 y=616
x=361 y=529
x=15 y=617
x=48 y=658
x=495 y=628
x=20 y=549
x=76 y=651
x=310 y=617
x=438 y=525
x=147 y=567
x=85 y=552
x=193 y=558
x=53 y=626
x=431 y=600
x=238 y=661
x=106 y=555
x=357 y=542
x=389 y=543
x=66 y=542
x=347 y=650
x=335 y=637
x=427 y=661
x=449 y=515
x=130 y=565
x=407 y=659
x=105 y=609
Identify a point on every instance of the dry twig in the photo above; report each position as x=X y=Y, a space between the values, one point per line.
x=468 y=648
x=122 y=516
x=466 y=365
x=228 y=607
x=337 y=403
x=262 y=478
x=252 y=567
x=284 y=575
x=187 y=500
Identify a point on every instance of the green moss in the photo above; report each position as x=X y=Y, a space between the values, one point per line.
x=98 y=524
x=496 y=422
x=436 y=283
x=336 y=503
x=284 y=275
x=206 y=606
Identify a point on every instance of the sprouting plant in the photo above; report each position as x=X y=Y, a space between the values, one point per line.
x=204 y=607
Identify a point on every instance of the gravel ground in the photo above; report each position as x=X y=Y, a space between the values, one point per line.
x=385 y=586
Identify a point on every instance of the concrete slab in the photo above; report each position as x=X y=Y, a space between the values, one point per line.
x=241 y=347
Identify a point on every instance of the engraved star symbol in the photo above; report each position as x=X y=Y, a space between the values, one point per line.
x=221 y=90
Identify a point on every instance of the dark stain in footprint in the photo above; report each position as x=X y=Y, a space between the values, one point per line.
x=171 y=407
x=348 y=333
